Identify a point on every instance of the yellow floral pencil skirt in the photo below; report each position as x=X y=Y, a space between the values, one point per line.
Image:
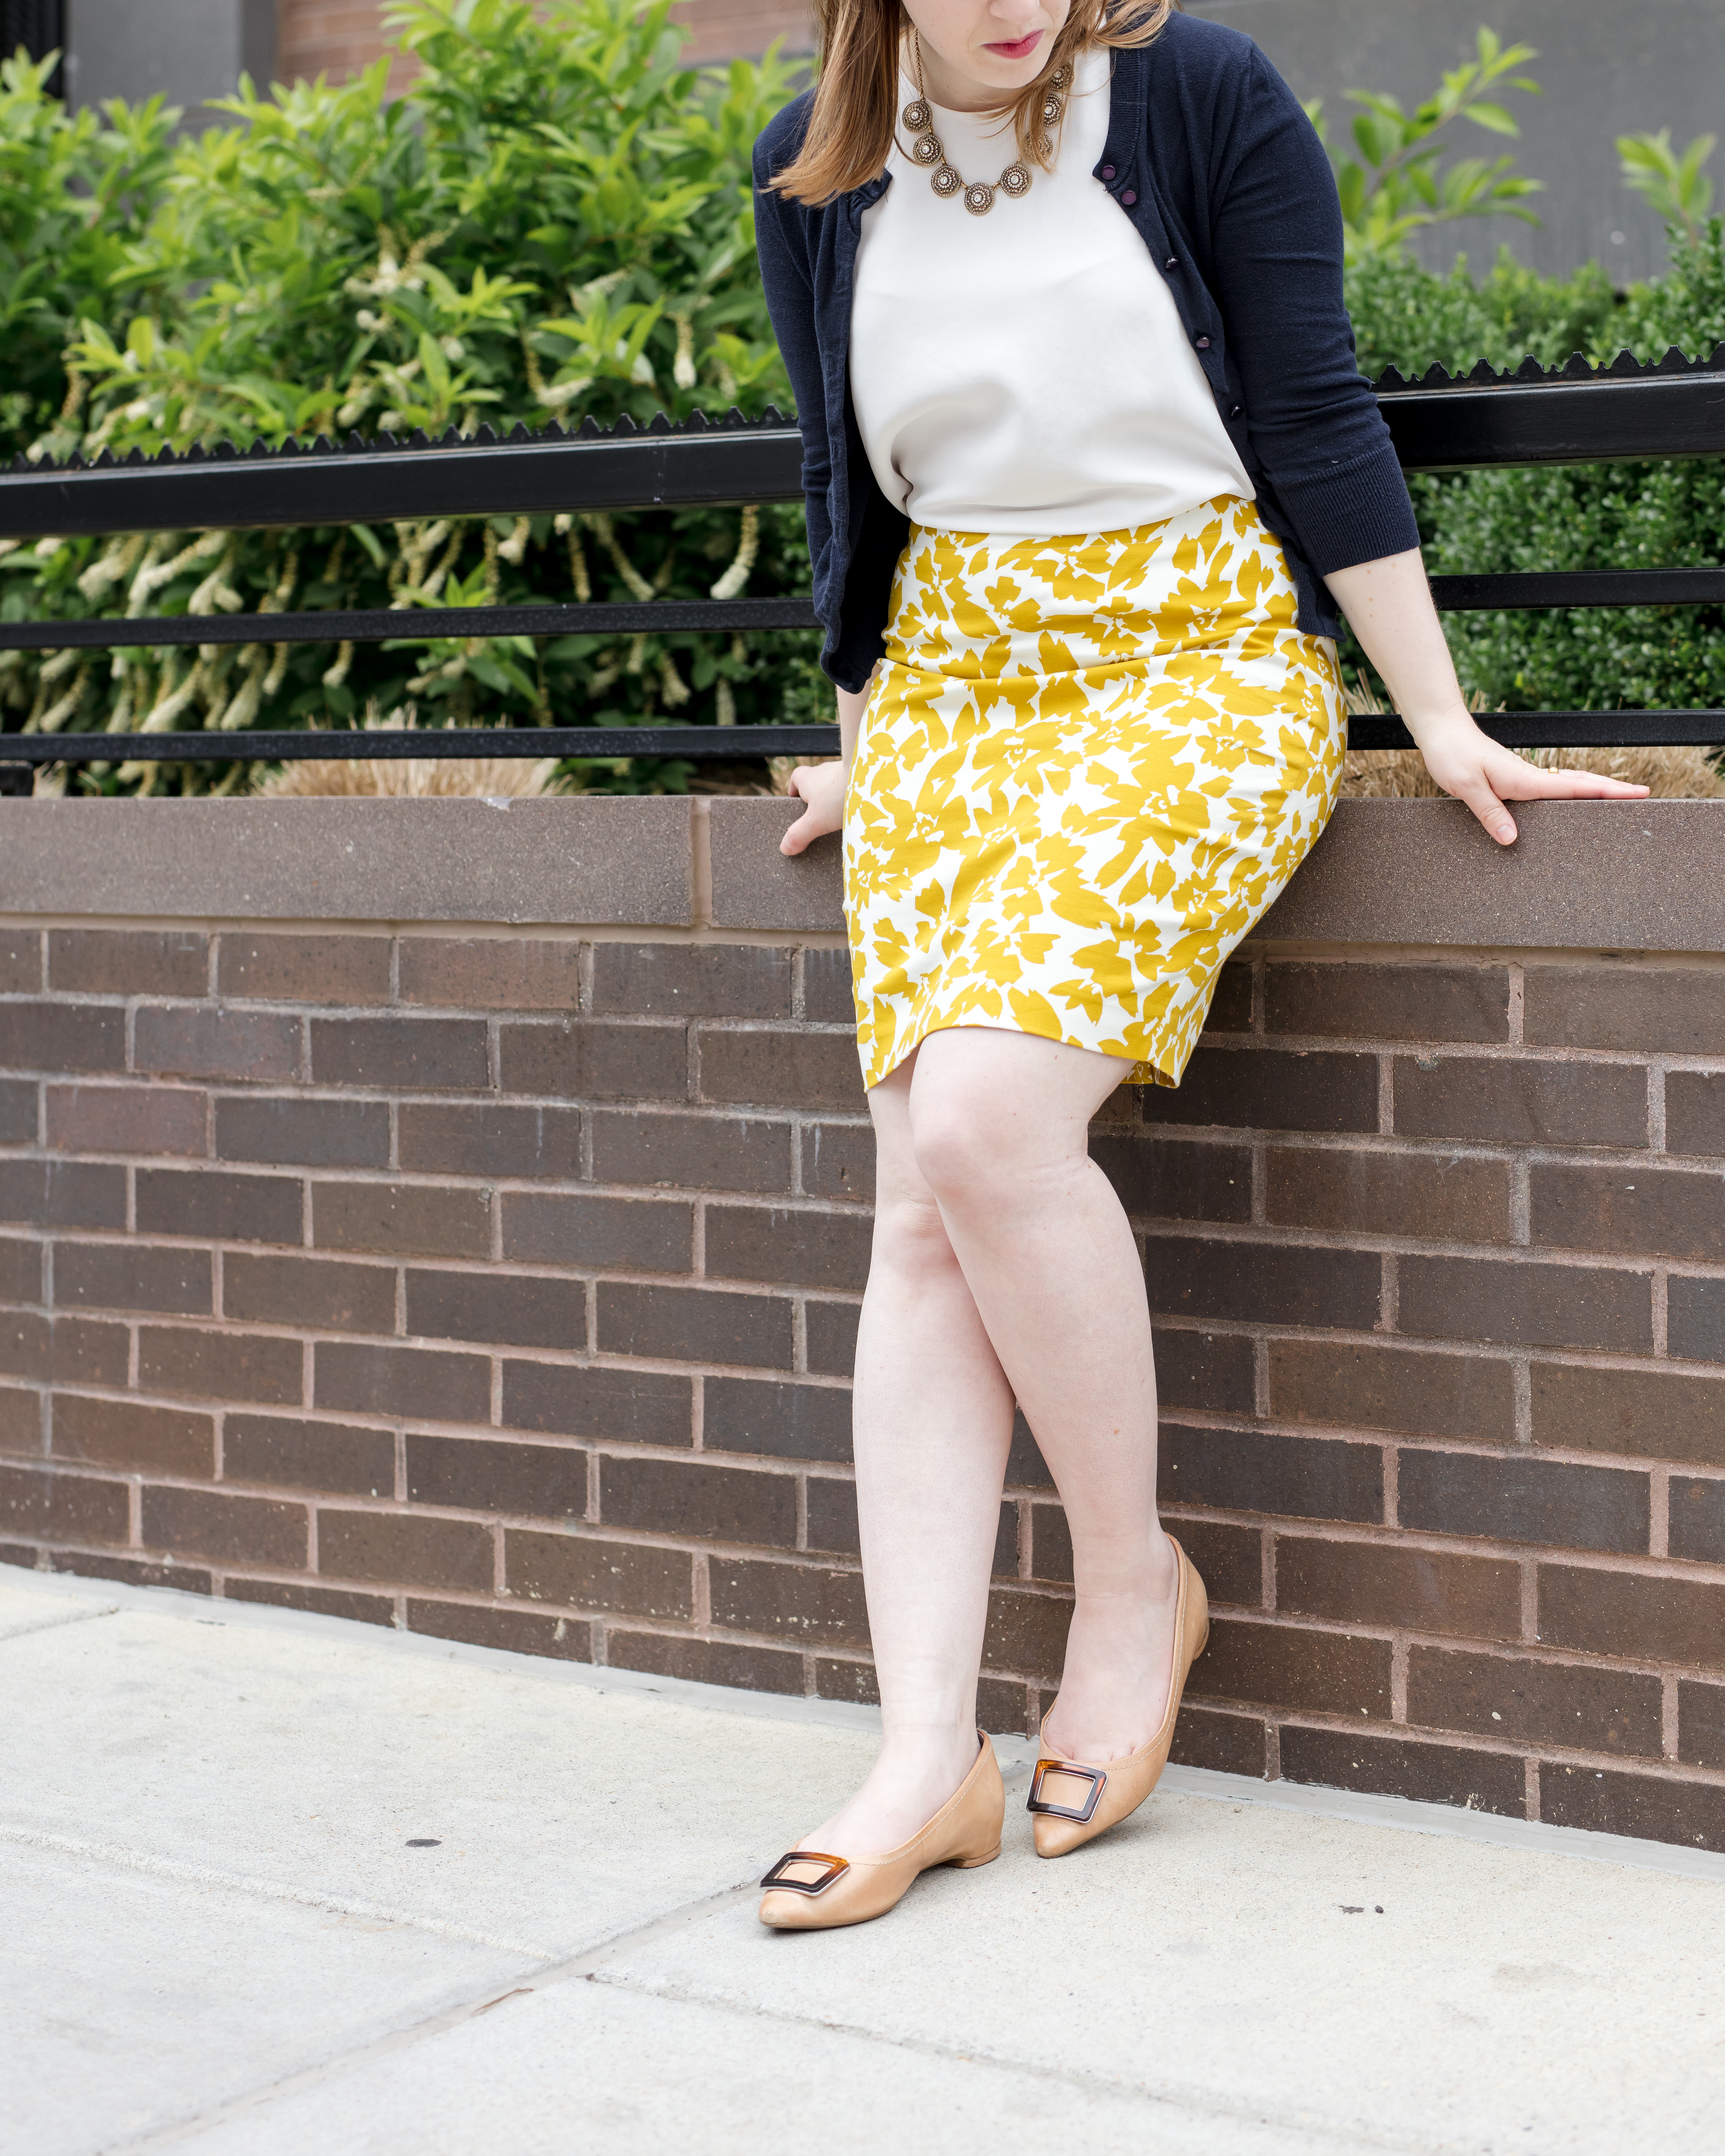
x=1088 y=766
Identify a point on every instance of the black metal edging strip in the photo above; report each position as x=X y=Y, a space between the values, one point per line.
x=1580 y=588
x=1596 y=421
x=380 y=625
x=1372 y=731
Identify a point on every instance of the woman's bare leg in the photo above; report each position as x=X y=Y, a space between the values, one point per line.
x=932 y=1423
x=1003 y=1265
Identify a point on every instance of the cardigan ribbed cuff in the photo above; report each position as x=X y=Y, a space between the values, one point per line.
x=1357 y=512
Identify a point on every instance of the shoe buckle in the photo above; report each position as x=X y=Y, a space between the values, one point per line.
x=1080 y=1815
x=826 y=1870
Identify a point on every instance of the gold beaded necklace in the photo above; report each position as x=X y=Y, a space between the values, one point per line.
x=925 y=148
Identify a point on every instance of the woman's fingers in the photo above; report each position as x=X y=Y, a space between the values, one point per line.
x=1530 y=783
x=802 y=834
x=1478 y=795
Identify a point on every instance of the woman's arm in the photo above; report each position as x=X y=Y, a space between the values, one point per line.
x=1388 y=608
x=822 y=787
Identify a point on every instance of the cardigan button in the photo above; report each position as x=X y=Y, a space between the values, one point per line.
x=1204 y=344
x=1172 y=263
x=1236 y=411
x=1107 y=172
x=1127 y=199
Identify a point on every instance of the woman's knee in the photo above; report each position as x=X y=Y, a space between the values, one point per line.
x=965 y=1151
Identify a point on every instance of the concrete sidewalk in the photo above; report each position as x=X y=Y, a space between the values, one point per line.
x=283 y=1885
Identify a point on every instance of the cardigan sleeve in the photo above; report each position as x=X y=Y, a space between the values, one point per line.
x=1277 y=261
x=780 y=238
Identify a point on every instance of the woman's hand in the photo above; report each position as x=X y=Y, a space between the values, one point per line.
x=1389 y=606
x=1482 y=773
x=821 y=789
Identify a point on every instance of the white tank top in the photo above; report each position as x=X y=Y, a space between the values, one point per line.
x=1027 y=371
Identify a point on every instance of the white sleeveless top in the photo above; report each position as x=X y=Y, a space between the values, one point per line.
x=1027 y=371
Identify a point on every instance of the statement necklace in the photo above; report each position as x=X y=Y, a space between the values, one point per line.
x=926 y=146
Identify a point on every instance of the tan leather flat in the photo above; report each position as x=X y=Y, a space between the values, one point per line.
x=809 y=1892
x=1072 y=1802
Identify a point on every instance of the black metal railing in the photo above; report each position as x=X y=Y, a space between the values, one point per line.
x=1439 y=424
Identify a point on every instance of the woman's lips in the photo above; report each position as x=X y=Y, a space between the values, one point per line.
x=1020 y=48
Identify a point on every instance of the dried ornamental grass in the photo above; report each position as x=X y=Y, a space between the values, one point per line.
x=510 y=777
x=1399 y=774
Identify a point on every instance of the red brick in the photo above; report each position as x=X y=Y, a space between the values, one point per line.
x=1698 y=1519
x=617 y=1234
x=63 y=1508
x=1397 y=1388
x=783 y=1421
x=344 y=1458
x=1027 y=1633
x=404 y=1220
x=226 y=1530
x=1292 y=1666
x=1520 y=1102
x=324 y=1294
x=1476 y=1781
x=1194 y=1369
x=1677 y=1010
x=63 y=1350
x=116 y=962
x=293 y=1132
x=1528 y=1304
x=21 y=1269
x=694 y=1324
x=1650 y=1414
x=1439 y=1196
x=20 y=962
x=1516 y=1499
x=1271 y=1090
x=704 y=1661
x=493 y=1475
x=214 y=1202
x=1637 y=1615
x=403 y=1382
x=1650 y=1807
x=18 y=1111
x=1262 y=1283
x=838 y=1161
x=808 y=1603
x=133 y=1571
x=491 y=972
x=44 y=1036
x=21 y=1419
x=144 y=1119
x=1254 y=1471
x=516 y=1631
x=770 y=1068
x=1348 y=1001
x=1159 y=1178
x=304 y=969
x=63 y=1193
x=1230 y=1009
x=1398 y=1586
x=190 y=1040
x=124 y=1433
x=685 y=1497
x=592 y=1572
x=1701 y=1724
x=1696 y=1319
x=802 y=1248
x=1025 y=1467
x=1230 y=1559
x=452 y=1138
x=321 y=1601
x=829 y=1330
x=409 y=1547
x=1526 y=1702
x=692 y=1153
x=220 y=1366
x=1643 y=1210
x=596 y=1059
x=640 y=1407
x=131 y=1277
x=513 y=1310
x=692 y=980
x=1225 y=1743
x=451 y=1053
x=828 y=995
x=832 y=1516
x=1694 y=1113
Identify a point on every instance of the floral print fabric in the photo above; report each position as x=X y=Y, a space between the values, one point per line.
x=1087 y=767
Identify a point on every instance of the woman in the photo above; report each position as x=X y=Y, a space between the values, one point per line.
x=1090 y=469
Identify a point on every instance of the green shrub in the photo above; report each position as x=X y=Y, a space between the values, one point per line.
x=554 y=221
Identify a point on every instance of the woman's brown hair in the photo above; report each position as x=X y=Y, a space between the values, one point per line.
x=856 y=98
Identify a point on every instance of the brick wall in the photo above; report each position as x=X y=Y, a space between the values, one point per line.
x=501 y=1285
x=337 y=37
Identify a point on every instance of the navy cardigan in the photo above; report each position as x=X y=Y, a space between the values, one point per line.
x=1210 y=155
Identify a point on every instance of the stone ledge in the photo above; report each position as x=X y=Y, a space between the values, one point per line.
x=1585 y=875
